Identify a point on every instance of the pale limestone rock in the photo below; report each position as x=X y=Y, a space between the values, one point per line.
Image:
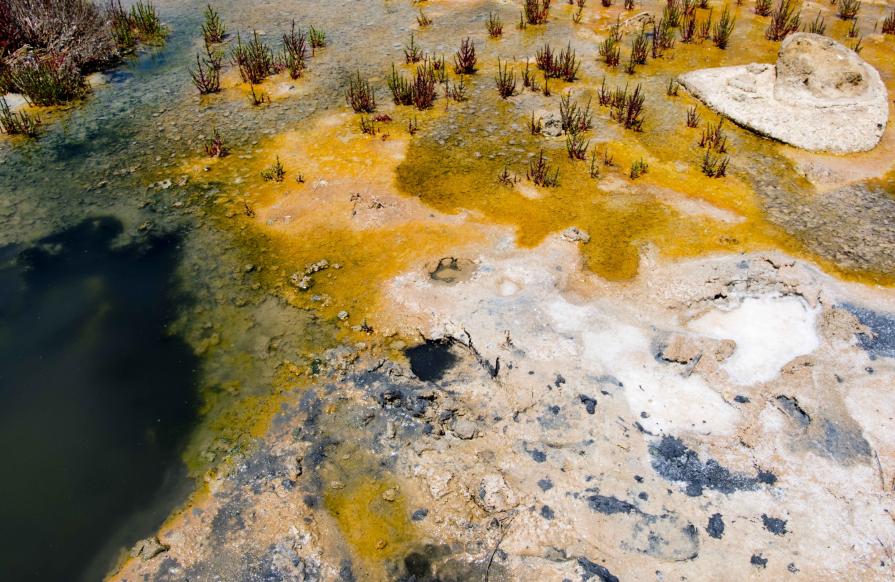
x=494 y=494
x=820 y=96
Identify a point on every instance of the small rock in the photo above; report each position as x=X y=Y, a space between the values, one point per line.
x=390 y=494
x=320 y=265
x=464 y=429
x=148 y=548
x=439 y=483
x=551 y=125
x=495 y=494
x=342 y=315
x=303 y=282
x=574 y=234
x=820 y=95
x=336 y=485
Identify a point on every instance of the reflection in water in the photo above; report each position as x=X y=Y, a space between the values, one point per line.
x=95 y=399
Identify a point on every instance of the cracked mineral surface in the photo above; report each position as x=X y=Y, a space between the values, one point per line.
x=408 y=357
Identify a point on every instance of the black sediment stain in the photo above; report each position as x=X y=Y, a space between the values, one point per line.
x=791 y=406
x=95 y=400
x=881 y=340
x=537 y=456
x=758 y=561
x=675 y=462
x=590 y=404
x=430 y=360
x=775 y=525
x=610 y=505
x=592 y=569
x=715 y=528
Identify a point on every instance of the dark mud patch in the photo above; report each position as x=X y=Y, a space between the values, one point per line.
x=676 y=462
x=430 y=360
x=96 y=399
x=440 y=563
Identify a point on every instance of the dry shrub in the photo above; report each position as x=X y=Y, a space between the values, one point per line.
x=77 y=29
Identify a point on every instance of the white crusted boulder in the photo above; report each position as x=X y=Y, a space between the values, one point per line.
x=820 y=96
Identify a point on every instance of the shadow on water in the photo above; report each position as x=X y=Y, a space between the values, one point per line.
x=95 y=399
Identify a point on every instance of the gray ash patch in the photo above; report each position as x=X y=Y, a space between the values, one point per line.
x=279 y=564
x=662 y=537
x=228 y=519
x=841 y=442
x=675 y=462
x=169 y=570
x=537 y=456
x=259 y=470
x=848 y=225
x=882 y=325
x=409 y=398
x=346 y=572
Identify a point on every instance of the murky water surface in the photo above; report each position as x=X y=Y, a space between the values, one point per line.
x=96 y=399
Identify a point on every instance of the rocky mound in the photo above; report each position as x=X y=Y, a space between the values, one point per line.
x=820 y=96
